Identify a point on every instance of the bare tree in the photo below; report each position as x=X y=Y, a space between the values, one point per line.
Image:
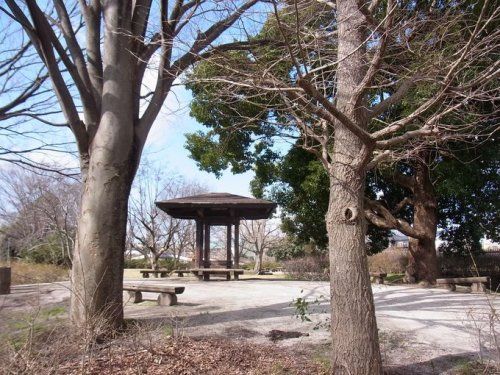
x=97 y=74
x=258 y=236
x=28 y=129
x=348 y=66
x=38 y=209
x=152 y=232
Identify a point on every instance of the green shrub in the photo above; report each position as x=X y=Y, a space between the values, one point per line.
x=168 y=264
x=136 y=263
x=287 y=250
x=248 y=266
x=49 y=252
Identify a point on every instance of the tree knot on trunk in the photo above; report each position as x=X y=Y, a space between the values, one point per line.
x=350 y=214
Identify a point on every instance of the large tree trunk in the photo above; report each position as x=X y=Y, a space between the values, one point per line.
x=354 y=328
x=422 y=265
x=97 y=274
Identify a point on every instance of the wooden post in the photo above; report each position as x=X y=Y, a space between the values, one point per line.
x=5 y=280
x=206 y=251
x=228 y=247
x=199 y=244
x=237 y=244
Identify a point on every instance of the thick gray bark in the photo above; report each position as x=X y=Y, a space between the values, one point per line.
x=423 y=265
x=355 y=346
x=97 y=275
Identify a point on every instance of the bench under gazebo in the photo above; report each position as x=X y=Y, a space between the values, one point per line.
x=217 y=209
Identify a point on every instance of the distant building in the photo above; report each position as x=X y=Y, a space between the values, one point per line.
x=398 y=239
x=490 y=246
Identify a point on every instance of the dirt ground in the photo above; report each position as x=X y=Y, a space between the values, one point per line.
x=422 y=331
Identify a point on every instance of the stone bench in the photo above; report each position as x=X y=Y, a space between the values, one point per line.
x=378 y=277
x=162 y=273
x=478 y=284
x=167 y=294
x=181 y=273
x=204 y=273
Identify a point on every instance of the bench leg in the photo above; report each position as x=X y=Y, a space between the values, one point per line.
x=206 y=277
x=478 y=288
x=163 y=274
x=135 y=296
x=180 y=274
x=145 y=275
x=236 y=276
x=167 y=299
x=228 y=277
x=450 y=287
x=379 y=280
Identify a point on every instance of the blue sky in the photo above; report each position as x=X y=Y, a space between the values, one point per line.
x=165 y=147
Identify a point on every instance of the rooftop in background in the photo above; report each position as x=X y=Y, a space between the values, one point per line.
x=218 y=208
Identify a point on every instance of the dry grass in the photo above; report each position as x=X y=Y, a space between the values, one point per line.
x=145 y=348
x=391 y=260
x=32 y=273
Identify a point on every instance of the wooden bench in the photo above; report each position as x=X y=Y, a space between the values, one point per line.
x=181 y=273
x=167 y=294
x=478 y=284
x=162 y=273
x=204 y=273
x=378 y=277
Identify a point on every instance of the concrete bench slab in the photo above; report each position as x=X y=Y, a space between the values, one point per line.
x=167 y=294
x=478 y=284
x=162 y=273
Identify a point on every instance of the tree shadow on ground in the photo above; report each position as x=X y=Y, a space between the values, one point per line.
x=433 y=366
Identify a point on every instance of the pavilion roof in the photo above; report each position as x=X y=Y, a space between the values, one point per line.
x=217 y=208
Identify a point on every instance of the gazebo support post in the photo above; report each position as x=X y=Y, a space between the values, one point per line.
x=199 y=244
x=236 y=247
x=206 y=251
x=228 y=247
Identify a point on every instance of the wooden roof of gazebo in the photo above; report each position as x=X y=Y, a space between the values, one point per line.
x=217 y=207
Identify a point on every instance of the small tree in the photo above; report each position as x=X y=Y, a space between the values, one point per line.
x=257 y=237
x=39 y=211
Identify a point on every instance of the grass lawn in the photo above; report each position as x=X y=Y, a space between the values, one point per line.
x=394 y=277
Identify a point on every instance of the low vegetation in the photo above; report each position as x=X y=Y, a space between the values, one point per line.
x=391 y=260
x=33 y=273
x=141 y=348
x=168 y=264
x=308 y=268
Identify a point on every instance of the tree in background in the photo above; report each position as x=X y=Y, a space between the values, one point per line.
x=151 y=231
x=348 y=66
x=257 y=237
x=27 y=106
x=468 y=186
x=96 y=54
x=39 y=215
